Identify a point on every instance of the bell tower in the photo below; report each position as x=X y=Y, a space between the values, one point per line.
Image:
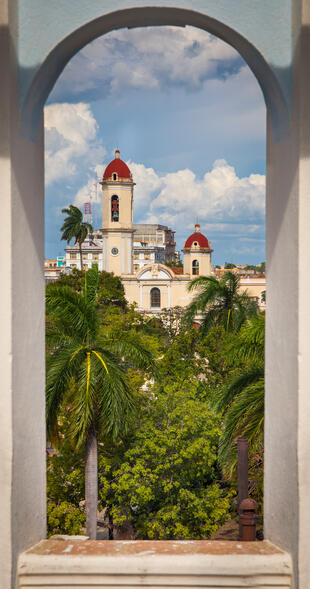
x=117 y=217
x=197 y=254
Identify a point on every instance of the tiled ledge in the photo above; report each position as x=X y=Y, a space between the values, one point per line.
x=75 y=563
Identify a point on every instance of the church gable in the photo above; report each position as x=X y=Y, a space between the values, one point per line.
x=154 y=272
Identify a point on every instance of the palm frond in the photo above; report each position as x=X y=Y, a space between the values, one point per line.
x=203 y=282
x=236 y=385
x=220 y=302
x=249 y=344
x=91 y=283
x=99 y=356
x=61 y=367
x=88 y=368
x=133 y=352
x=245 y=417
x=71 y=312
x=73 y=226
x=114 y=397
x=84 y=402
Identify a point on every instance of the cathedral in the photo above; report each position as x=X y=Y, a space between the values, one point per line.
x=154 y=286
x=125 y=249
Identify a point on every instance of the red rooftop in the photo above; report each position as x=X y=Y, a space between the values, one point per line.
x=118 y=167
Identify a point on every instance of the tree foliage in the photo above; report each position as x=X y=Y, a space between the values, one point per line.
x=259 y=268
x=65 y=486
x=64 y=518
x=160 y=470
x=86 y=371
x=240 y=399
x=219 y=302
x=75 y=228
x=110 y=288
x=165 y=486
x=229 y=265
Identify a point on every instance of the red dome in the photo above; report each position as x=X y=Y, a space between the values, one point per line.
x=117 y=166
x=198 y=238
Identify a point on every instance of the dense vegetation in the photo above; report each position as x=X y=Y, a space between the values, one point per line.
x=168 y=470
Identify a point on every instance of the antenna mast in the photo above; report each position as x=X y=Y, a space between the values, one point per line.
x=88 y=217
x=88 y=213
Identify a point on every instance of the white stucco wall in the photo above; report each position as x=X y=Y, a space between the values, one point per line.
x=22 y=355
x=263 y=34
x=287 y=434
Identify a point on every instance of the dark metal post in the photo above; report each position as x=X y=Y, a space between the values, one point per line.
x=243 y=483
x=248 y=520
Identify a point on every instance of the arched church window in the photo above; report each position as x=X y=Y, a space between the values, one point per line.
x=115 y=208
x=195 y=268
x=114 y=176
x=155 y=297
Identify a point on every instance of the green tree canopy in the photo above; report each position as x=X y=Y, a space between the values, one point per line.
x=229 y=265
x=110 y=288
x=165 y=486
x=65 y=487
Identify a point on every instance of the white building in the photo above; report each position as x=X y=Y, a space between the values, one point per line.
x=153 y=243
x=91 y=254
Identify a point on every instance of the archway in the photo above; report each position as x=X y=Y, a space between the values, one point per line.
x=140 y=17
x=62 y=53
x=288 y=328
x=195 y=267
x=53 y=65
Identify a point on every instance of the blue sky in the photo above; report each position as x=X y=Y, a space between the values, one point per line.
x=189 y=119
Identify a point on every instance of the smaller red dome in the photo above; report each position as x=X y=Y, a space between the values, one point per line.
x=117 y=166
x=198 y=238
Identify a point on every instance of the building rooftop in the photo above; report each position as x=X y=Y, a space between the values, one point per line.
x=197 y=238
x=117 y=166
x=150 y=227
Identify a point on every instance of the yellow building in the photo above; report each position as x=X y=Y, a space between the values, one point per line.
x=154 y=286
x=117 y=218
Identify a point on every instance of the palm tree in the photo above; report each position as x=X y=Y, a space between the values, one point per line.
x=75 y=228
x=241 y=399
x=220 y=302
x=86 y=371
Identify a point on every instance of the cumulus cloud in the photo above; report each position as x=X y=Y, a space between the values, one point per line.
x=91 y=190
x=224 y=203
x=148 y=184
x=226 y=117
x=146 y=58
x=219 y=197
x=70 y=140
x=220 y=200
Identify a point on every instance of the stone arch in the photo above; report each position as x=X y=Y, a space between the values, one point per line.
x=57 y=59
x=195 y=267
x=287 y=468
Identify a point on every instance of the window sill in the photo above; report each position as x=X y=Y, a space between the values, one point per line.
x=74 y=562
